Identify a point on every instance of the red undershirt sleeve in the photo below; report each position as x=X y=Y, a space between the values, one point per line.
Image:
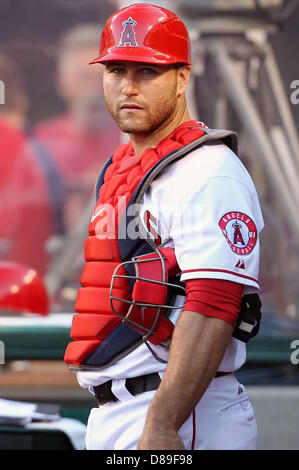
x=214 y=298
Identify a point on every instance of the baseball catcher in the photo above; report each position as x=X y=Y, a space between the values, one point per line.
x=169 y=292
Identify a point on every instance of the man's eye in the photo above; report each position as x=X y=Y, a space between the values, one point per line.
x=117 y=70
x=147 y=70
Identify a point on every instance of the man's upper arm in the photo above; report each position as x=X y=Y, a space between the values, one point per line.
x=216 y=233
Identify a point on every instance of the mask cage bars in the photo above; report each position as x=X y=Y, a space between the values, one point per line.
x=127 y=318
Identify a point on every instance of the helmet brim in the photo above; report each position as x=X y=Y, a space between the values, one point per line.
x=131 y=54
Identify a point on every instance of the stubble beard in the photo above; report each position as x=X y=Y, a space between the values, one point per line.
x=155 y=118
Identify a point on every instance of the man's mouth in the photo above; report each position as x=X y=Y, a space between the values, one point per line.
x=130 y=106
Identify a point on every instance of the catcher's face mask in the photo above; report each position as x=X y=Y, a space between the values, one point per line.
x=152 y=294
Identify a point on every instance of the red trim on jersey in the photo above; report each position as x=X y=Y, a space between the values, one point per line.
x=214 y=298
x=218 y=271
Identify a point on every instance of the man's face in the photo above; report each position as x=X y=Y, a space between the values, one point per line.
x=140 y=97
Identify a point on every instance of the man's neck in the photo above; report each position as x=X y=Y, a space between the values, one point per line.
x=141 y=142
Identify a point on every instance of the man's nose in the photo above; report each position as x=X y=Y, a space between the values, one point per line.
x=130 y=85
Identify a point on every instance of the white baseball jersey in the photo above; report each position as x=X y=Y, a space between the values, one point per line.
x=206 y=207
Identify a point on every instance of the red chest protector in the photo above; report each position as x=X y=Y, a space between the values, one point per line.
x=98 y=335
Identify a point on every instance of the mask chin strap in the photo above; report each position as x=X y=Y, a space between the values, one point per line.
x=148 y=308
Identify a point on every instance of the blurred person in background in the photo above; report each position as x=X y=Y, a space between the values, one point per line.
x=78 y=140
x=26 y=211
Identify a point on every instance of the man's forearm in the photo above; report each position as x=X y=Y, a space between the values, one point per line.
x=197 y=348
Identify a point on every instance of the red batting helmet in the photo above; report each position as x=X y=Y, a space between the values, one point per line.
x=144 y=33
x=22 y=289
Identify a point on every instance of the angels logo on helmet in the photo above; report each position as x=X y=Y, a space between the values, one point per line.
x=128 y=35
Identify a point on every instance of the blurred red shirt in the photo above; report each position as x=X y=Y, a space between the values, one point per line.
x=26 y=214
x=78 y=145
x=78 y=149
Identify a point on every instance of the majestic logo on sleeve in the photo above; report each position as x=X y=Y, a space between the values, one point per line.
x=239 y=231
x=128 y=35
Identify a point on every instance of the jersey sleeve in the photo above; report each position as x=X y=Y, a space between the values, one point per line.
x=216 y=232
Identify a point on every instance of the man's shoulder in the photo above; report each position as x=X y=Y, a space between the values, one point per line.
x=211 y=160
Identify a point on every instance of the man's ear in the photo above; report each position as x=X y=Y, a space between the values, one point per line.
x=183 y=75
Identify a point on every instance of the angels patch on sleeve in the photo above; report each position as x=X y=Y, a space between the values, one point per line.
x=240 y=232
